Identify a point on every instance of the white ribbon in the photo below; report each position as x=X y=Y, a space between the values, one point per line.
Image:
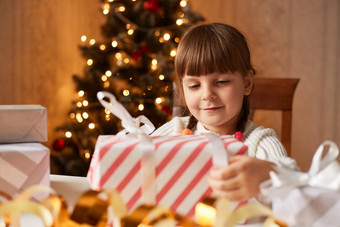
x=130 y=124
x=323 y=173
x=218 y=152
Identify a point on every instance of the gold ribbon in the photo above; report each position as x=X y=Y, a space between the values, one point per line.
x=91 y=210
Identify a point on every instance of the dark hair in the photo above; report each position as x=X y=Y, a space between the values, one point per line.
x=213 y=48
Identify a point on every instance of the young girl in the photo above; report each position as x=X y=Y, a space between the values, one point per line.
x=215 y=78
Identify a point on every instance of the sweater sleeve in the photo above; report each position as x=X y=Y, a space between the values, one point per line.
x=263 y=144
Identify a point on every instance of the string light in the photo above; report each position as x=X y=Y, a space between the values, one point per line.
x=81 y=93
x=173 y=53
x=72 y=115
x=161 y=77
x=89 y=62
x=149 y=87
x=68 y=134
x=130 y=31
x=179 y=22
x=126 y=60
x=126 y=92
x=106 y=84
x=85 y=115
x=104 y=78
x=92 y=126
x=183 y=3
x=83 y=38
x=85 y=103
x=120 y=9
x=166 y=36
x=118 y=56
x=92 y=41
x=177 y=39
x=79 y=104
x=154 y=64
x=102 y=47
x=141 y=107
x=108 y=73
x=87 y=154
x=114 y=43
x=158 y=100
x=107 y=111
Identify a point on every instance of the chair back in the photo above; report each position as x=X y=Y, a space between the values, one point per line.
x=275 y=94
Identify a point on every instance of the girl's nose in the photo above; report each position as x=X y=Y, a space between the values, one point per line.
x=208 y=93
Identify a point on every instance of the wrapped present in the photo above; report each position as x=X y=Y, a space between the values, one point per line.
x=311 y=198
x=23 y=165
x=169 y=171
x=23 y=123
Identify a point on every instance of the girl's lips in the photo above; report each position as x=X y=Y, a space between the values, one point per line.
x=211 y=108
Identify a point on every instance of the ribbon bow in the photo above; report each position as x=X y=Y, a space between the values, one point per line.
x=130 y=124
x=323 y=173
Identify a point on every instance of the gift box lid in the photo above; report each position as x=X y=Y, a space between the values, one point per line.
x=23 y=123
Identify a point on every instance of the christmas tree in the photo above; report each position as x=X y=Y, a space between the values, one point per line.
x=135 y=63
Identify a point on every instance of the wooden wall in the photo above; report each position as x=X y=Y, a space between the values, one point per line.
x=289 y=38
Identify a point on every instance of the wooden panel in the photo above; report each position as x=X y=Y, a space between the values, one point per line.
x=39 y=52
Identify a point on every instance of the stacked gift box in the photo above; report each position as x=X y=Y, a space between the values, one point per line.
x=24 y=161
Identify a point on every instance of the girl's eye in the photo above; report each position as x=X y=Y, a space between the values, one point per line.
x=223 y=82
x=193 y=86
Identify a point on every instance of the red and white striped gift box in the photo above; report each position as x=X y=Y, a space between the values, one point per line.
x=23 y=165
x=182 y=163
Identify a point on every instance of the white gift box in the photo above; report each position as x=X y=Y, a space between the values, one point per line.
x=308 y=199
x=23 y=165
x=23 y=123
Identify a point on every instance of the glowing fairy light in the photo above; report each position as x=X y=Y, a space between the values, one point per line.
x=166 y=36
x=92 y=126
x=68 y=134
x=173 y=53
x=141 y=107
x=79 y=104
x=157 y=33
x=81 y=93
x=106 y=84
x=120 y=9
x=158 y=100
x=108 y=73
x=102 y=47
x=85 y=115
x=130 y=31
x=114 y=43
x=154 y=62
x=107 y=111
x=72 y=115
x=87 y=154
x=126 y=60
x=104 y=78
x=79 y=117
x=83 y=38
x=92 y=41
x=149 y=87
x=179 y=22
x=177 y=39
x=183 y=3
x=85 y=103
x=118 y=56
x=89 y=62
x=161 y=77
x=126 y=92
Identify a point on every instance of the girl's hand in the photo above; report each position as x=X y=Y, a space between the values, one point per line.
x=241 y=179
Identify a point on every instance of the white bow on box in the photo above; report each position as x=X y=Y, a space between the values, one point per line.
x=130 y=124
x=323 y=173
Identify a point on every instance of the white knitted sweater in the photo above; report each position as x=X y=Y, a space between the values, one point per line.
x=262 y=142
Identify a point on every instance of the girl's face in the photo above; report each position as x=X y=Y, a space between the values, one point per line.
x=216 y=99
